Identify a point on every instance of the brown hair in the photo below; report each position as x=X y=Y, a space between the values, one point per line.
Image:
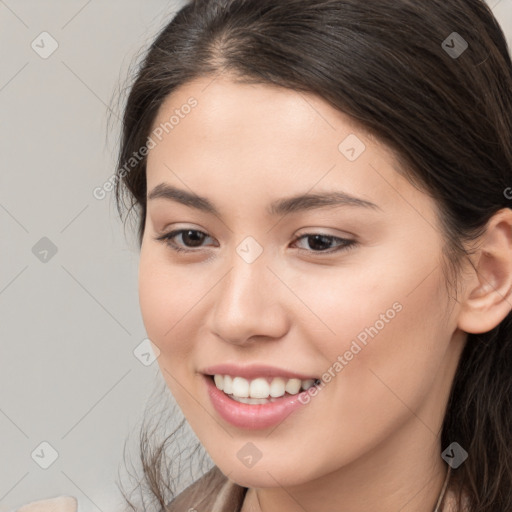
x=391 y=66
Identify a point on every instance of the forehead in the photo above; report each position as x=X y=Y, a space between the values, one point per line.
x=259 y=121
x=250 y=116
x=265 y=141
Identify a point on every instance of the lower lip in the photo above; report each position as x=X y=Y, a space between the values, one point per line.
x=258 y=416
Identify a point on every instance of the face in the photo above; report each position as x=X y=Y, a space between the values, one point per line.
x=349 y=294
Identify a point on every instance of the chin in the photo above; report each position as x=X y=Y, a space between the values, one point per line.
x=267 y=475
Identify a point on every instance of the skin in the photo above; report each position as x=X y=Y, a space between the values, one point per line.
x=369 y=440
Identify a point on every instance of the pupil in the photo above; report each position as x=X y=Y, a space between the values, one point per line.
x=187 y=235
x=319 y=237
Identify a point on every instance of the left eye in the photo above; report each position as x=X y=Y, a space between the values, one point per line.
x=322 y=240
x=195 y=237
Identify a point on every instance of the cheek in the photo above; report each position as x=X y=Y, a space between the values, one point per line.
x=397 y=302
x=387 y=321
x=392 y=343
x=166 y=300
x=165 y=297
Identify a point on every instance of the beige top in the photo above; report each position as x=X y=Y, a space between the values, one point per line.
x=59 y=504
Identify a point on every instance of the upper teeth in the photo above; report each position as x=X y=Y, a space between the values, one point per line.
x=260 y=387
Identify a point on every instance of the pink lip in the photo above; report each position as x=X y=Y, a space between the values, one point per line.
x=252 y=416
x=253 y=371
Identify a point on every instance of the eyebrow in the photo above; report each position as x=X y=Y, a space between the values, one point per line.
x=297 y=203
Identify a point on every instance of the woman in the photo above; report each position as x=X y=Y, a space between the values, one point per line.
x=324 y=201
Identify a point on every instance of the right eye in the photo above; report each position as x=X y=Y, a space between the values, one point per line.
x=194 y=236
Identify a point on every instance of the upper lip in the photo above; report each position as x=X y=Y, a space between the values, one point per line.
x=253 y=371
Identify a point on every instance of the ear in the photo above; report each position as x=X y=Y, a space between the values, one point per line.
x=488 y=296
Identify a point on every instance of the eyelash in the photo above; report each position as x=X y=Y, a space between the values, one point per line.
x=345 y=245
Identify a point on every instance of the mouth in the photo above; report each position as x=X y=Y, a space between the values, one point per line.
x=258 y=401
x=261 y=390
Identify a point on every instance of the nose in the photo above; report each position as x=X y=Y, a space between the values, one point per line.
x=248 y=304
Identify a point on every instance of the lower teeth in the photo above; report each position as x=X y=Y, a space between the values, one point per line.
x=252 y=401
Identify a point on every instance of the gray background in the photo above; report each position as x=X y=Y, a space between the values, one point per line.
x=70 y=321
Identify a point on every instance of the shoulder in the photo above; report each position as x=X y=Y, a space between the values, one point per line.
x=213 y=492
x=59 y=504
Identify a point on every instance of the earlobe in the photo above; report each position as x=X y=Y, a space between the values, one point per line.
x=488 y=298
